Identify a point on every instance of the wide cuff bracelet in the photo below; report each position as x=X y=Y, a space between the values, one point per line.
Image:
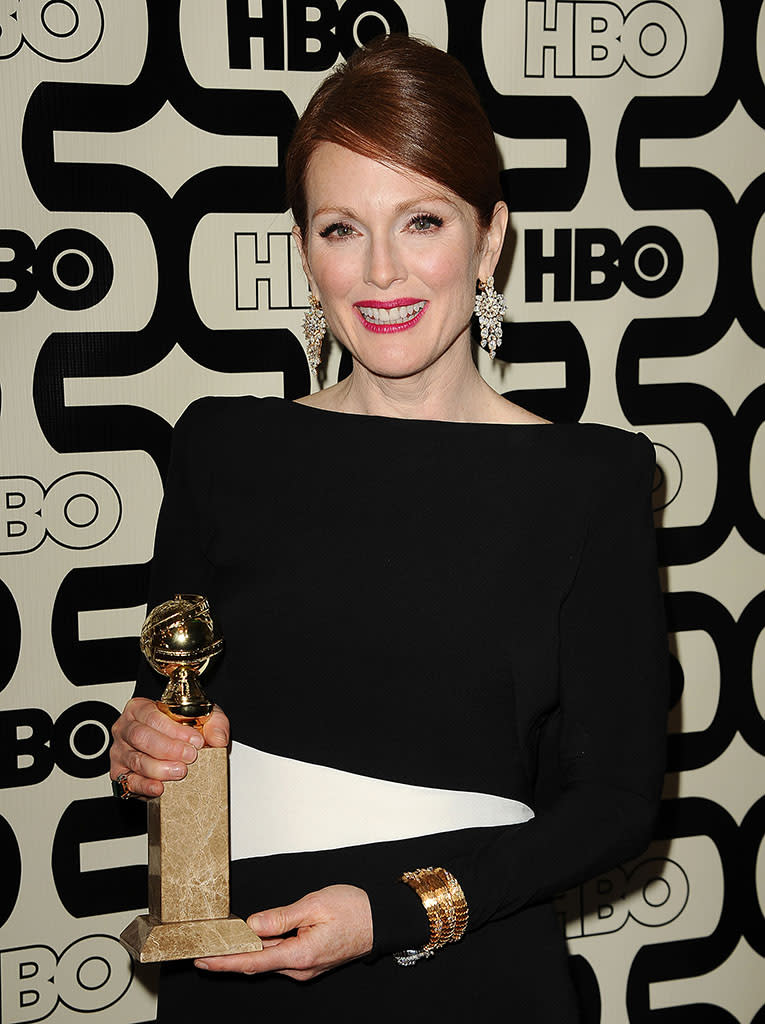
x=444 y=903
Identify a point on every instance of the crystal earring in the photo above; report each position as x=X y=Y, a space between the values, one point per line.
x=314 y=329
x=489 y=308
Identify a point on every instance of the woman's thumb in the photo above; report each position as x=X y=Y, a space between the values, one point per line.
x=217 y=730
x=277 y=921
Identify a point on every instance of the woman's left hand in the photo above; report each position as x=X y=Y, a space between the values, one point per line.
x=334 y=925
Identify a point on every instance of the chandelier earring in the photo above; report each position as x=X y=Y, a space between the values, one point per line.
x=314 y=329
x=490 y=308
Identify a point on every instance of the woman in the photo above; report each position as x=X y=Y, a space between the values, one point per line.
x=442 y=615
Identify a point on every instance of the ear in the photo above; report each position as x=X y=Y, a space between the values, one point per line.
x=493 y=240
x=298 y=239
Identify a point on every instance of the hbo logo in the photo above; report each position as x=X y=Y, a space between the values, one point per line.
x=78 y=742
x=71 y=269
x=61 y=30
x=594 y=38
x=649 y=262
x=654 y=893
x=312 y=44
x=91 y=974
x=79 y=510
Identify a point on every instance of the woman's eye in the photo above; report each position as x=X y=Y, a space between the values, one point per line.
x=337 y=230
x=425 y=221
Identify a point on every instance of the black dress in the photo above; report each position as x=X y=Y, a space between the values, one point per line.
x=470 y=608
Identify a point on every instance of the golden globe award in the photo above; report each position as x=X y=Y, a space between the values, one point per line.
x=189 y=824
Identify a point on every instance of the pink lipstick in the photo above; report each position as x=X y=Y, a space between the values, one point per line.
x=390 y=315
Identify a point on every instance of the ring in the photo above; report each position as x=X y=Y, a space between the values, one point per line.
x=120 y=786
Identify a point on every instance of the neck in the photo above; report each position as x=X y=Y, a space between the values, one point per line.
x=448 y=390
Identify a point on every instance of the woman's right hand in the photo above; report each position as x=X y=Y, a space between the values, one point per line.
x=155 y=749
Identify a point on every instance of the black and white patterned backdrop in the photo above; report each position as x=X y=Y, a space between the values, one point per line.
x=146 y=260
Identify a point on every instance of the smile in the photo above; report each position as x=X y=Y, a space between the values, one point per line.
x=396 y=315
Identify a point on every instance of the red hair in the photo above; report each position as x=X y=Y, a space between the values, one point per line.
x=406 y=104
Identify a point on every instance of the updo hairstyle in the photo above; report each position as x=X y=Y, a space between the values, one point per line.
x=406 y=104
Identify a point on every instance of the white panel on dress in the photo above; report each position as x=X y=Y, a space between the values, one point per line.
x=279 y=805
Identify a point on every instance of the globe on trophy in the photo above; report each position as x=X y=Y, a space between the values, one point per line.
x=189 y=824
x=178 y=640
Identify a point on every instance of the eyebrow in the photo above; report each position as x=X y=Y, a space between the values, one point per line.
x=402 y=207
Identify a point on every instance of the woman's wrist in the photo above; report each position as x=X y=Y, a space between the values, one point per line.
x=398 y=919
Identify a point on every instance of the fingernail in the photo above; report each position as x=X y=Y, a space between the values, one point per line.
x=189 y=754
x=254 y=922
x=176 y=772
x=201 y=965
x=196 y=740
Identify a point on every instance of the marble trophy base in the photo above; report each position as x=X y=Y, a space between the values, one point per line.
x=150 y=941
x=189 y=871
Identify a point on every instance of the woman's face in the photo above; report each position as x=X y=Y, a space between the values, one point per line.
x=393 y=257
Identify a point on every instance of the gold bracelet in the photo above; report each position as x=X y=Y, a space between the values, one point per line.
x=458 y=901
x=444 y=903
x=438 y=906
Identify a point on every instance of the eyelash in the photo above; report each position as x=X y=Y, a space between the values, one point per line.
x=331 y=228
x=431 y=219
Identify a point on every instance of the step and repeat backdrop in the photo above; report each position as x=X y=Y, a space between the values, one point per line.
x=146 y=260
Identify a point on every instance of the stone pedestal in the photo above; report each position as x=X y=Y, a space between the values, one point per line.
x=188 y=871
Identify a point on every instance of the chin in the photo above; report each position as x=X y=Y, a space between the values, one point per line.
x=395 y=361
x=396 y=369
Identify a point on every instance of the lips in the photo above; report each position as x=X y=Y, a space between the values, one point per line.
x=392 y=315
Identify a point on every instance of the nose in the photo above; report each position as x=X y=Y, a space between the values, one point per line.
x=384 y=264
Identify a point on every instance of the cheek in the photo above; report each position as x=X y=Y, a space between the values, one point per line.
x=442 y=269
x=335 y=274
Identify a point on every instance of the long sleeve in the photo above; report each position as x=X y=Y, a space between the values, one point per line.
x=601 y=757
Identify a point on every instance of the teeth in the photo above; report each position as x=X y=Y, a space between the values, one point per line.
x=395 y=315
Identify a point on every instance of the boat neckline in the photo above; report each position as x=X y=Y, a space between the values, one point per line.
x=406 y=419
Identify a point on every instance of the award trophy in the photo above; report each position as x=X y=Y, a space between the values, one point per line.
x=188 y=825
